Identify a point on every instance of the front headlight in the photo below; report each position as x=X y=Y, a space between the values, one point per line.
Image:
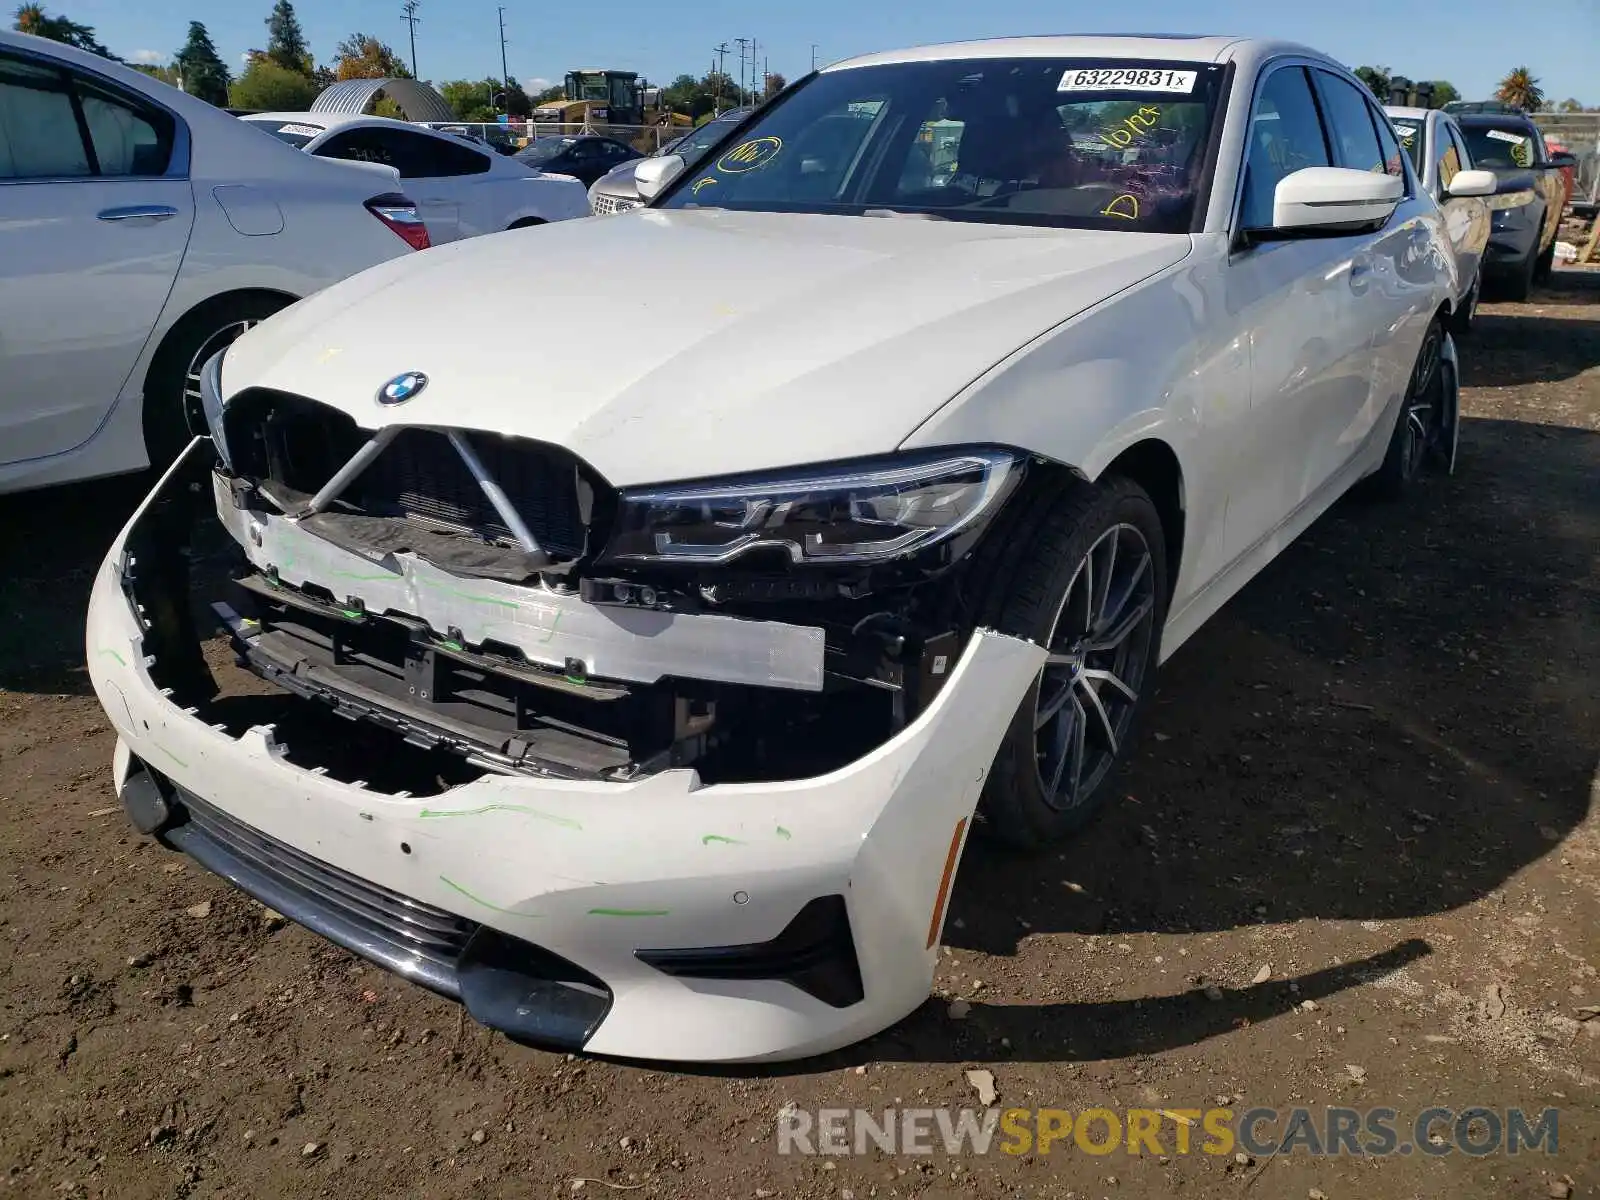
x=211 y=403
x=860 y=513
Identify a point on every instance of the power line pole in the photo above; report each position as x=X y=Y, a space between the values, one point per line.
x=813 y=56
x=722 y=70
x=741 y=43
x=408 y=14
x=505 y=75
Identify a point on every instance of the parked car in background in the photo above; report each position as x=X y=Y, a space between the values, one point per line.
x=1526 y=210
x=645 y=700
x=463 y=188
x=1569 y=174
x=141 y=230
x=614 y=192
x=1439 y=155
x=585 y=157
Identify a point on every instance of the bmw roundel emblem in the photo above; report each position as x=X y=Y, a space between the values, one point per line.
x=402 y=388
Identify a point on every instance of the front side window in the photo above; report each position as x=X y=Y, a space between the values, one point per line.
x=1451 y=163
x=1058 y=142
x=1285 y=136
x=39 y=135
x=1388 y=144
x=1355 y=139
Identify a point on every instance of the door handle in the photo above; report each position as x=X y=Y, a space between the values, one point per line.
x=138 y=212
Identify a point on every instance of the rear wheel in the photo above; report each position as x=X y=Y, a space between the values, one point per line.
x=526 y=223
x=1084 y=574
x=1425 y=427
x=172 y=407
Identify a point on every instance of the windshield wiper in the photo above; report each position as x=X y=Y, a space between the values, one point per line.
x=899 y=212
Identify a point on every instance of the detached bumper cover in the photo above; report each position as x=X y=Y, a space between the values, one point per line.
x=676 y=899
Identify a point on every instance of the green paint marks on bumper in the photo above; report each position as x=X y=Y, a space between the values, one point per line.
x=629 y=912
x=112 y=654
x=720 y=840
x=456 y=887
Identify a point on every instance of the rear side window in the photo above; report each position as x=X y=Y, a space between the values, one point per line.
x=438 y=157
x=58 y=125
x=1285 y=137
x=1355 y=138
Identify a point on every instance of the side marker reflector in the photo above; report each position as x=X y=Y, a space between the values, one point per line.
x=944 y=883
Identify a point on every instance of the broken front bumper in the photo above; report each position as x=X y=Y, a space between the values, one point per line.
x=657 y=919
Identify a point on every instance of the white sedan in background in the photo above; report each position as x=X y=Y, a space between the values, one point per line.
x=645 y=700
x=1442 y=161
x=462 y=190
x=141 y=230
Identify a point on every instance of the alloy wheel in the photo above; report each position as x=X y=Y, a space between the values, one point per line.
x=1099 y=653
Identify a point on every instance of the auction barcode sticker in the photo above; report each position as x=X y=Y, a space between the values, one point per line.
x=1500 y=135
x=1127 y=79
x=302 y=130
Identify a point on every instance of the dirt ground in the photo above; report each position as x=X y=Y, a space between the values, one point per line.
x=1369 y=783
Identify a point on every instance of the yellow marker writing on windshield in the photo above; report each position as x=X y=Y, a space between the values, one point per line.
x=757 y=152
x=1126 y=207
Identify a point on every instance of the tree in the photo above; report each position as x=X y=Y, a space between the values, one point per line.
x=1521 y=89
x=1569 y=105
x=775 y=84
x=286 y=41
x=268 y=86
x=203 y=72
x=1444 y=92
x=1377 y=81
x=555 y=92
x=167 y=74
x=362 y=56
x=31 y=19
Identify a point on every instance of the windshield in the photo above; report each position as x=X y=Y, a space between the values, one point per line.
x=1504 y=147
x=692 y=147
x=296 y=135
x=1075 y=143
x=1410 y=133
x=544 y=149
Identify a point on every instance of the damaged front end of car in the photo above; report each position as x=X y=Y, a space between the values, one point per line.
x=673 y=773
x=494 y=598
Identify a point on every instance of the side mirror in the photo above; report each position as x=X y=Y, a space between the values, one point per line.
x=1473 y=183
x=1520 y=181
x=651 y=177
x=1333 y=200
x=1563 y=158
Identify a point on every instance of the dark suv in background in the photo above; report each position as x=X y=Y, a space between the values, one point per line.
x=1526 y=210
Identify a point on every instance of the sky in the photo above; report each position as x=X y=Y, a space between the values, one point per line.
x=1472 y=43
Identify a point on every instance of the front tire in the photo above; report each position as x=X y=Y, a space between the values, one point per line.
x=1463 y=319
x=1544 y=266
x=172 y=386
x=1083 y=573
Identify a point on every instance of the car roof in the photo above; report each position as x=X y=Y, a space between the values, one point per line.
x=1492 y=118
x=1408 y=112
x=1181 y=47
x=327 y=121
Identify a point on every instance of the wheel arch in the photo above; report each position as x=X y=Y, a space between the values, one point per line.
x=1153 y=464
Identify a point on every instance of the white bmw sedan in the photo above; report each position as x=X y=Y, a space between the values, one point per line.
x=644 y=697
x=461 y=189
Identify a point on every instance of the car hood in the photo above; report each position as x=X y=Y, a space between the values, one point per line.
x=676 y=345
x=619 y=180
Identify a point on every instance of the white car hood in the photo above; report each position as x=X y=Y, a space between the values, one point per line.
x=677 y=345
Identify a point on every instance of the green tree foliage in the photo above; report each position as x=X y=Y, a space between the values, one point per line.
x=269 y=86
x=32 y=19
x=1377 y=81
x=1521 y=89
x=286 y=41
x=775 y=84
x=204 y=74
x=166 y=74
x=1444 y=92
x=362 y=56
x=470 y=99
